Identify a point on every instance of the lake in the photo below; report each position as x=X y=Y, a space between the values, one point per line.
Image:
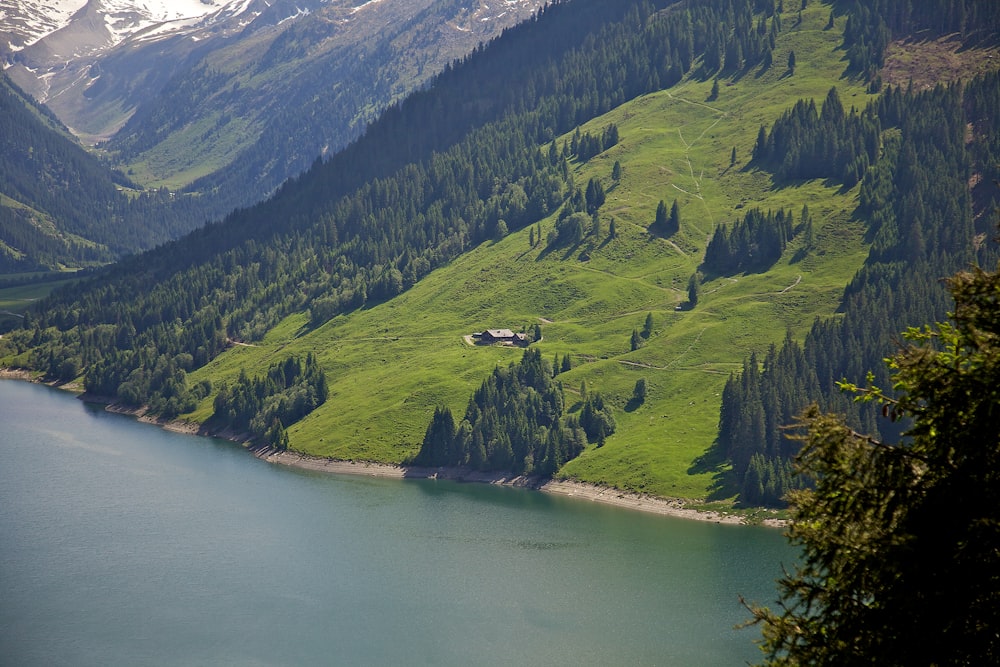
x=124 y=544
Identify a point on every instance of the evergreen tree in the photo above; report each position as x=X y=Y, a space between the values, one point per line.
x=674 y=222
x=901 y=544
x=639 y=392
x=660 y=221
x=595 y=195
x=636 y=341
x=694 y=290
x=567 y=363
x=791 y=62
x=616 y=171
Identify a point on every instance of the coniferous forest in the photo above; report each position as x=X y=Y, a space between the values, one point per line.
x=918 y=209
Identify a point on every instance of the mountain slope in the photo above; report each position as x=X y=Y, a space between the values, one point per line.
x=53 y=194
x=228 y=100
x=380 y=261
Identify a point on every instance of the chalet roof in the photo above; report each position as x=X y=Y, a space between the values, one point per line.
x=500 y=333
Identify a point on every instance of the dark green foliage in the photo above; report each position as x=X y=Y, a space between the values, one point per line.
x=767 y=481
x=918 y=208
x=42 y=168
x=597 y=418
x=439 y=440
x=585 y=146
x=647 y=327
x=660 y=221
x=755 y=243
x=570 y=230
x=595 y=195
x=639 y=392
x=567 y=363
x=791 y=62
x=674 y=221
x=635 y=342
x=805 y=143
x=616 y=171
x=514 y=422
x=694 y=289
x=265 y=407
x=900 y=540
x=667 y=224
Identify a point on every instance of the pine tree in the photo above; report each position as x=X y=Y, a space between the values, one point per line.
x=660 y=221
x=900 y=540
x=639 y=392
x=636 y=340
x=693 y=290
x=674 y=223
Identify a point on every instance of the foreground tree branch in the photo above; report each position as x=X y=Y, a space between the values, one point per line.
x=901 y=541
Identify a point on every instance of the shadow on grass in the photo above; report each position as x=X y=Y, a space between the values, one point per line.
x=724 y=483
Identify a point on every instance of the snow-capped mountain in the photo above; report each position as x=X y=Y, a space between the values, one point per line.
x=56 y=50
x=106 y=22
x=49 y=46
x=228 y=98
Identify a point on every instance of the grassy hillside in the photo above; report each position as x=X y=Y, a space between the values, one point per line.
x=388 y=366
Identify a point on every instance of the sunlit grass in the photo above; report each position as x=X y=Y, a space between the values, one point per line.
x=389 y=365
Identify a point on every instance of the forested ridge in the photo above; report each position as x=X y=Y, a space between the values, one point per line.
x=69 y=207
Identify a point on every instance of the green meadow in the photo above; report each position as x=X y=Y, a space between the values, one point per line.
x=391 y=364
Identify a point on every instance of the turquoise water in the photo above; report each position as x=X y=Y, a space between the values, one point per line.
x=123 y=544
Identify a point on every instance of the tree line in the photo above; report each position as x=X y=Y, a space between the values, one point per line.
x=516 y=422
x=919 y=211
x=266 y=406
x=805 y=143
x=754 y=243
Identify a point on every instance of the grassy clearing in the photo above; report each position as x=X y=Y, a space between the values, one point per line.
x=15 y=300
x=389 y=365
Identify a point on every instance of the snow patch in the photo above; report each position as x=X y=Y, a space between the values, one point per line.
x=298 y=13
x=363 y=5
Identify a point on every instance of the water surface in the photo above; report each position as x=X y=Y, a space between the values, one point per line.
x=123 y=544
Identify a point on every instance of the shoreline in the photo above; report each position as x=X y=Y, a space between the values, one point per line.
x=674 y=507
